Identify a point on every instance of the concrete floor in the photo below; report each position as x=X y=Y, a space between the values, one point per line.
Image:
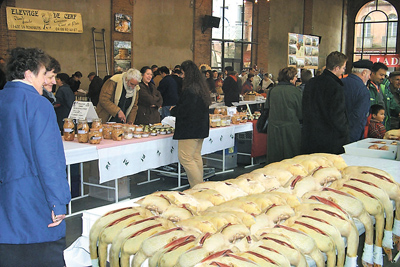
x=74 y=223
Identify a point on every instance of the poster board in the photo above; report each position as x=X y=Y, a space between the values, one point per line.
x=24 y=19
x=303 y=51
x=122 y=55
x=82 y=110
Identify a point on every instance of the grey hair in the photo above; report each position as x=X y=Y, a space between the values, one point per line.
x=357 y=70
x=133 y=74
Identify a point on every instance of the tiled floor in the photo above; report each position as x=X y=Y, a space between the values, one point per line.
x=74 y=223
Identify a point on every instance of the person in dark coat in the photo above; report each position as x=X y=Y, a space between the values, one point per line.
x=357 y=98
x=94 y=88
x=230 y=87
x=325 y=124
x=192 y=121
x=75 y=81
x=169 y=91
x=149 y=100
x=285 y=115
x=210 y=81
x=64 y=99
x=3 y=78
x=176 y=76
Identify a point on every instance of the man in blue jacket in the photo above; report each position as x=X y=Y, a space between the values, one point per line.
x=357 y=98
x=34 y=190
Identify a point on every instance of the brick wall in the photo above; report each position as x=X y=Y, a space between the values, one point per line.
x=122 y=7
x=261 y=34
x=201 y=41
x=8 y=39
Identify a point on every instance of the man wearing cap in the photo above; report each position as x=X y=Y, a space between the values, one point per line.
x=357 y=98
x=94 y=87
x=394 y=78
x=230 y=87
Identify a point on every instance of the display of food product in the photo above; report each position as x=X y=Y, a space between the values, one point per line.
x=107 y=130
x=117 y=133
x=139 y=128
x=145 y=134
x=302 y=206
x=69 y=129
x=129 y=129
x=137 y=134
x=236 y=118
x=97 y=124
x=384 y=147
x=243 y=117
x=215 y=120
x=221 y=110
x=95 y=136
x=83 y=131
x=153 y=132
x=256 y=115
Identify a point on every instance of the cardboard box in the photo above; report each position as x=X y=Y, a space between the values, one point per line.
x=250 y=97
x=360 y=148
x=124 y=189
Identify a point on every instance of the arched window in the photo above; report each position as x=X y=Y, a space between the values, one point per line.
x=232 y=42
x=375 y=29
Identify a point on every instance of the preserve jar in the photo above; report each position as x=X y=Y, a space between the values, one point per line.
x=227 y=120
x=236 y=118
x=107 y=130
x=117 y=133
x=69 y=130
x=243 y=116
x=95 y=136
x=83 y=131
x=97 y=124
x=129 y=129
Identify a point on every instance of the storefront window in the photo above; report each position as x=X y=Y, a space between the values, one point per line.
x=232 y=41
x=375 y=30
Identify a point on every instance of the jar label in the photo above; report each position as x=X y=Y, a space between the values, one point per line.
x=68 y=130
x=82 y=132
x=95 y=138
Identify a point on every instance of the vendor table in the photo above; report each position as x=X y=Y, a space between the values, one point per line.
x=117 y=159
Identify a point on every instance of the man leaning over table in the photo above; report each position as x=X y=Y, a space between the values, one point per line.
x=119 y=96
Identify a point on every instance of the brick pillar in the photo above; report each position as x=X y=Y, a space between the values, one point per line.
x=122 y=7
x=261 y=18
x=201 y=41
x=8 y=39
x=307 y=17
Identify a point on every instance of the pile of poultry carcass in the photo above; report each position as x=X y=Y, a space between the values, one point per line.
x=278 y=215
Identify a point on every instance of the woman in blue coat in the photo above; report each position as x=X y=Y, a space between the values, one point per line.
x=34 y=190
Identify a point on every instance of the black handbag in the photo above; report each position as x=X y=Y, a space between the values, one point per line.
x=262 y=122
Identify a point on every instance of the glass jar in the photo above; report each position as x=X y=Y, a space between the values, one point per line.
x=83 y=131
x=107 y=130
x=95 y=136
x=227 y=120
x=215 y=120
x=217 y=110
x=97 y=124
x=117 y=133
x=236 y=118
x=129 y=129
x=69 y=130
x=224 y=110
x=243 y=116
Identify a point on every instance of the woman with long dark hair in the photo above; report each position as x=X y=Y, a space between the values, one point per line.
x=192 y=121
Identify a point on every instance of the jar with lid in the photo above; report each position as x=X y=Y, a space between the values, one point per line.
x=224 y=110
x=107 y=130
x=95 y=136
x=243 y=116
x=97 y=124
x=83 y=131
x=236 y=118
x=117 y=133
x=227 y=120
x=129 y=129
x=69 y=130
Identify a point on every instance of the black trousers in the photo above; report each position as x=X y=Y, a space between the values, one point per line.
x=48 y=254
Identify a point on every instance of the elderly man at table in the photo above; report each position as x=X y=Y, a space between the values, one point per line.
x=357 y=98
x=119 y=96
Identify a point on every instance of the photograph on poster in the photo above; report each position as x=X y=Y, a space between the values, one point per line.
x=306 y=49
x=122 y=55
x=123 y=23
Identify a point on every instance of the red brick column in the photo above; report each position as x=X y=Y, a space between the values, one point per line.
x=201 y=41
x=261 y=19
x=122 y=7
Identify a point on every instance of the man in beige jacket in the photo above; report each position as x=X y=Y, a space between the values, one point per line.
x=119 y=96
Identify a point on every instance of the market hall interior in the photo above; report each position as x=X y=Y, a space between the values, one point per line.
x=169 y=32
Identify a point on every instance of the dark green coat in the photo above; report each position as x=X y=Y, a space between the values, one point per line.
x=284 y=128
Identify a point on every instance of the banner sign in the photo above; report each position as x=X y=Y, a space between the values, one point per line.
x=23 y=19
x=388 y=60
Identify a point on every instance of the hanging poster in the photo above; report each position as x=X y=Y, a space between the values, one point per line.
x=123 y=23
x=122 y=56
x=303 y=51
x=23 y=19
